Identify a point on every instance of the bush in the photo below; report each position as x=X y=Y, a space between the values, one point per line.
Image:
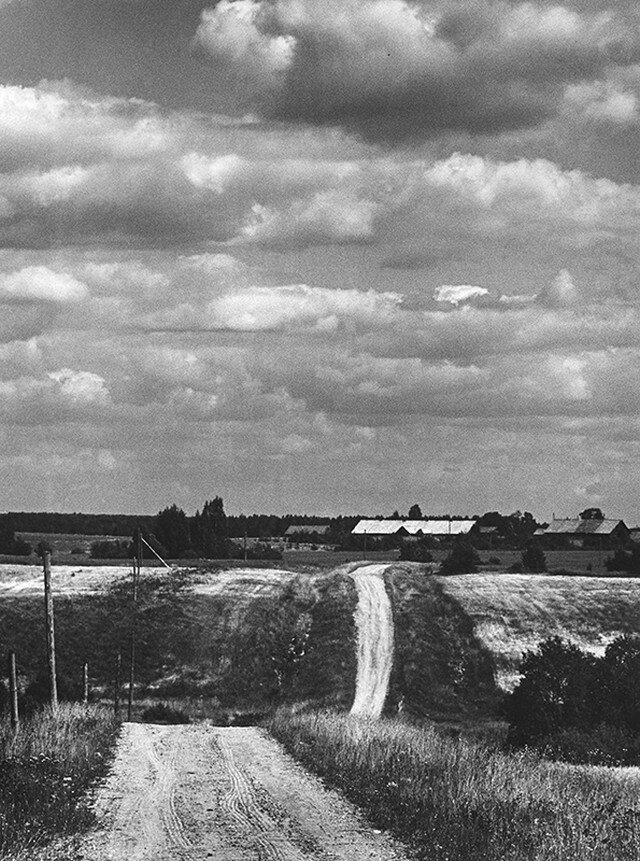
x=463 y=559
x=163 y=713
x=626 y=561
x=112 y=550
x=533 y=558
x=576 y=705
x=415 y=551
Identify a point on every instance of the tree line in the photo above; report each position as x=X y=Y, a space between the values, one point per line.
x=209 y=532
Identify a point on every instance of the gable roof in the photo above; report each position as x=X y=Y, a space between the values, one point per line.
x=413 y=527
x=308 y=529
x=578 y=526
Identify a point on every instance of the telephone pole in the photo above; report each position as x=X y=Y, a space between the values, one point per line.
x=137 y=564
x=51 y=640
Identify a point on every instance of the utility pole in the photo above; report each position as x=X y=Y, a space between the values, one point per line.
x=51 y=640
x=13 y=691
x=137 y=564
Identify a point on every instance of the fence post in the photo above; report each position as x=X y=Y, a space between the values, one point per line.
x=51 y=640
x=116 y=687
x=13 y=692
x=85 y=683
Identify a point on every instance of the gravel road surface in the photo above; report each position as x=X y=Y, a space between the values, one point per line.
x=374 y=621
x=199 y=791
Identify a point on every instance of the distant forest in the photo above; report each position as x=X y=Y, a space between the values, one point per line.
x=124 y=525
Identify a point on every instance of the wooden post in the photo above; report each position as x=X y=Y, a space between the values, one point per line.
x=13 y=692
x=116 y=686
x=51 y=639
x=85 y=683
x=137 y=564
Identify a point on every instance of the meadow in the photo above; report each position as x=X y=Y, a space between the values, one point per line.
x=457 y=800
x=512 y=613
x=46 y=772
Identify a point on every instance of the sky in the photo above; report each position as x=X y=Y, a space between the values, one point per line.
x=322 y=256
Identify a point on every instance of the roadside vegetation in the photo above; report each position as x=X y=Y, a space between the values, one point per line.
x=245 y=644
x=46 y=772
x=440 y=668
x=456 y=799
x=576 y=707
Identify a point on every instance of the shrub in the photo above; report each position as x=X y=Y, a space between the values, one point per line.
x=163 y=713
x=112 y=550
x=533 y=558
x=555 y=692
x=415 y=551
x=463 y=559
x=627 y=561
x=574 y=704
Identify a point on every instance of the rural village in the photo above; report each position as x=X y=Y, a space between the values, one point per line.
x=319 y=430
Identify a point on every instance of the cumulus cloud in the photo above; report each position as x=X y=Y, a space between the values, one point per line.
x=412 y=69
x=41 y=284
x=458 y=293
x=53 y=397
x=291 y=306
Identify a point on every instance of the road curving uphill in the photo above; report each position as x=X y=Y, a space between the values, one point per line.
x=195 y=792
x=374 y=621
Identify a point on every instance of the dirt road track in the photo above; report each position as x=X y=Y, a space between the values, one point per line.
x=196 y=792
x=374 y=621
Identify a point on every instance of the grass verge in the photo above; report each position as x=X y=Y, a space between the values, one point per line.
x=452 y=800
x=440 y=668
x=45 y=774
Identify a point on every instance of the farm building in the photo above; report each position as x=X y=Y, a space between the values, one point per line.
x=433 y=528
x=306 y=532
x=579 y=532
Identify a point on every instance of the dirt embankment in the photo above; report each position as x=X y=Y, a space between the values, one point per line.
x=202 y=792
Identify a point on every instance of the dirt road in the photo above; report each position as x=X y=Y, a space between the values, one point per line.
x=374 y=621
x=196 y=792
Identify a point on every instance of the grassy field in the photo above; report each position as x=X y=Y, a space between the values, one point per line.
x=512 y=613
x=460 y=801
x=45 y=774
x=245 y=639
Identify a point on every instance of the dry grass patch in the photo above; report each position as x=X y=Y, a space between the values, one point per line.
x=514 y=612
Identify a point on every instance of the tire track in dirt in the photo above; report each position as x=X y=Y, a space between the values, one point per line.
x=374 y=621
x=196 y=792
x=241 y=802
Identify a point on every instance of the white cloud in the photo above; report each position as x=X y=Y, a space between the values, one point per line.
x=81 y=387
x=41 y=284
x=265 y=308
x=459 y=293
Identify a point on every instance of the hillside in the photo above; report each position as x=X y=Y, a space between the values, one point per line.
x=512 y=613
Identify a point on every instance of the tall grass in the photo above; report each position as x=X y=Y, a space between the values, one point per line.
x=45 y=773
x=459 y=801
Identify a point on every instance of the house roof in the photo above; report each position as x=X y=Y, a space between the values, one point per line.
x=577 y=526
x=413 y=527
x=308 y=529
x=377 y=527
